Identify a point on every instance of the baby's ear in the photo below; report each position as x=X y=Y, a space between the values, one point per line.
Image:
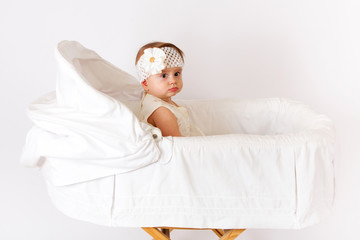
x=144 y=83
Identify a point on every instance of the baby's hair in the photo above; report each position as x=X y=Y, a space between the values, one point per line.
x=158 y=45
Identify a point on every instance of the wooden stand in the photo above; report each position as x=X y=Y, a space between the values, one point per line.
x=163 y=233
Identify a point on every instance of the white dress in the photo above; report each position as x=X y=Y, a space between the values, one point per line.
x=150 y=103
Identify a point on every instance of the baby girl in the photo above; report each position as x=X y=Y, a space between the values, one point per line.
x=159 y=68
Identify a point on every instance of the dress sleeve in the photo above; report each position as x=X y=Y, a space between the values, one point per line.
x=148 y=106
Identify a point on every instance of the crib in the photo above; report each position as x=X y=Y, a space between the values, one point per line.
x=266 y=163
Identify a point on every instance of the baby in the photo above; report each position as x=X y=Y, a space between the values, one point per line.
x=159 y=68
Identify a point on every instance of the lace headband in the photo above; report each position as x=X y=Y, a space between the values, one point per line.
x=154 y=60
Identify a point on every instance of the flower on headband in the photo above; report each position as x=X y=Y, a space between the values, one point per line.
x=153 y=60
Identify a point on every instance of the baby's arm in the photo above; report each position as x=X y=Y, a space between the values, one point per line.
x=164 y=119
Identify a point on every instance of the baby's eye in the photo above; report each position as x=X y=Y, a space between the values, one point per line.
x=164 y=75
x=177 y=74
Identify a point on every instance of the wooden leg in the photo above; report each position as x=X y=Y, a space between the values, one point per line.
x=156 y=233
x=232 y=234
x=218 y=232
x=164 y=233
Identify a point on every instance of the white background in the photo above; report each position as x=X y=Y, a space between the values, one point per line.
x=306 y=50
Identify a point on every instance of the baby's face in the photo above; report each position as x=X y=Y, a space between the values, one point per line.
x=166 y=84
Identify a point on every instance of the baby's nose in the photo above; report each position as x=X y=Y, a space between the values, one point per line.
x=172 y=79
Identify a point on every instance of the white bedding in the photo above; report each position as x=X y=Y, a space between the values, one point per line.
x=265 y=163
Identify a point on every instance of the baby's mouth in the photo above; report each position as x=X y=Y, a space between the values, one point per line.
x=174 y=89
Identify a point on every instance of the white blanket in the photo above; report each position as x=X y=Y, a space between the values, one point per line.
x=265 y=163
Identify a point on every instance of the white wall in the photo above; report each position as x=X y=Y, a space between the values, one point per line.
x=305 y=50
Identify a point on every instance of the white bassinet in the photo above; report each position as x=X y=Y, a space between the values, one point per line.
x=265 y=163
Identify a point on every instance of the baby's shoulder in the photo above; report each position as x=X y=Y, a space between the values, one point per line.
x=149 y=101
x=148 y=105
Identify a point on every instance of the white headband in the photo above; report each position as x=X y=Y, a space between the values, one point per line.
x=154 y=60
